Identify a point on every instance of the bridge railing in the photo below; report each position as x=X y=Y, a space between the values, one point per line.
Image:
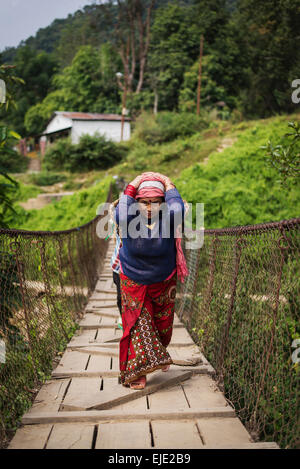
x=241 y=304
x=45 y=280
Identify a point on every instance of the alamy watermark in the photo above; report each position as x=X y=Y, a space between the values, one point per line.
x=2 y=351
x=296 y=93
x=2 y=92
x=132 y=222
x=296 y=353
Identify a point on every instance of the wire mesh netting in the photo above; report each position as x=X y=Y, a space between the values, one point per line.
x=240 y=303
x=45 y=281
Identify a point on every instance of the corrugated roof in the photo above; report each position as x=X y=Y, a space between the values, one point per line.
x=91 y=116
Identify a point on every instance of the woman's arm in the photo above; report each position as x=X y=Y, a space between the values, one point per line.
x=127 y=199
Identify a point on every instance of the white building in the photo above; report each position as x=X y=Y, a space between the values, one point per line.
x=75 y=124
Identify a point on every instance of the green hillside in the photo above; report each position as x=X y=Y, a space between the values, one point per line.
x=236 y=185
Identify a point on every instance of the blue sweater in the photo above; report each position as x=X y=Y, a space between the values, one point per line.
x=151 y=259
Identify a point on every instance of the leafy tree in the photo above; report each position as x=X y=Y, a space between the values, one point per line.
x=7 y=138
x=86 y=85
x=286 y=157
x=173 y=49
x=270 y=36
x=36 y=70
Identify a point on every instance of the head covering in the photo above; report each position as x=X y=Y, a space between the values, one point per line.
x=152 y=186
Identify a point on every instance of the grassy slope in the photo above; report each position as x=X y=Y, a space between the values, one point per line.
x=236 y=186
x=69 y=212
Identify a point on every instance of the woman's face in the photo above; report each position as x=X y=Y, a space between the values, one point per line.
x=148 y=210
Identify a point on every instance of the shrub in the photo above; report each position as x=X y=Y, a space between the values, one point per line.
x=46 y=178
x=167 y=126
x=92 y=152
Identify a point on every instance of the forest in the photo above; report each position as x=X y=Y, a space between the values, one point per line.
x=249 y=66
x=250 y=59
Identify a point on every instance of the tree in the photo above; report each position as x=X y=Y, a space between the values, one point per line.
x=286 y=157
x=36 y=70
x=131 y=38
x=86 y=85
x=270 y=37
x=7 y=138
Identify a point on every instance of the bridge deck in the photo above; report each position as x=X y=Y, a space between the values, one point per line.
x=83 y=405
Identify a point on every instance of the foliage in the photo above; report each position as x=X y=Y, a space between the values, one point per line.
x=92 y=152
x=87 y=84
x=69 y=212
x=166 y=126
x=35 y=70
x=286 y=158
x=46 y=178
x=9 y=158
x=237 y=186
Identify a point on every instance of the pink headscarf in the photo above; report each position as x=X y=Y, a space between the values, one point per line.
x=157 y=190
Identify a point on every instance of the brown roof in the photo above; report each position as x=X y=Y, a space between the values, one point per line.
x=92 y=116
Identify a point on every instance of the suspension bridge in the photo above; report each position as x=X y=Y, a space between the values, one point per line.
x=233 y=382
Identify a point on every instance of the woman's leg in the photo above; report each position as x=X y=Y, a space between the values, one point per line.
x=164 y=309
x=141 y=350
x=116 y=279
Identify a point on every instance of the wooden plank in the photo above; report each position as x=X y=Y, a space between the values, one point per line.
x=90 y=319
x=181 y=335
x=123 y=435
x=72 y=361
x=115 y=362
x=178 y=434
x=103 y=312
x=165 y=399
x=117 y=394
x=202 y=388
x=103 y=296
x=81 y=393
x=111 y=393
x=105 y=335
x=185 y=357
x=68 y=436
x=50 y=396
x=111 y=352
x=83 y=337
x=220 y=432
x=112 y=415
x=31 y=437
x=99 y=362
x=258 y=445
x=139 y=404
x=65 y=373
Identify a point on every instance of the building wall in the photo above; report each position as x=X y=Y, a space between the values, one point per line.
x=110 y=129
x=57 y=123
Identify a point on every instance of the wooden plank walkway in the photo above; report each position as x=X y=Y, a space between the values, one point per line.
x=83 y=406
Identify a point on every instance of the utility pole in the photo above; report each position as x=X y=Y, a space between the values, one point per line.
x=119 y=75
x=123 y=111
x=199 y=75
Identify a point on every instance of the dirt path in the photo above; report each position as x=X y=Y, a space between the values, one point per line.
x=226 y=143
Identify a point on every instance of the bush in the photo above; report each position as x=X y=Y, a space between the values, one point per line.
x=92 y=152
x=13 y=162
x=167 y=126
x=46 y=178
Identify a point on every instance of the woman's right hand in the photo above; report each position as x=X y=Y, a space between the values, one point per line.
x=137 y=181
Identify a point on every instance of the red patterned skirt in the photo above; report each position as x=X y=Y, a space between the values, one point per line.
x=147 y=316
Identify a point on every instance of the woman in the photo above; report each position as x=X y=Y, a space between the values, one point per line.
x=149 y=266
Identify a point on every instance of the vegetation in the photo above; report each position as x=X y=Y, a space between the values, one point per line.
x=70 y=212
x=72 y=64
x=92 y=152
